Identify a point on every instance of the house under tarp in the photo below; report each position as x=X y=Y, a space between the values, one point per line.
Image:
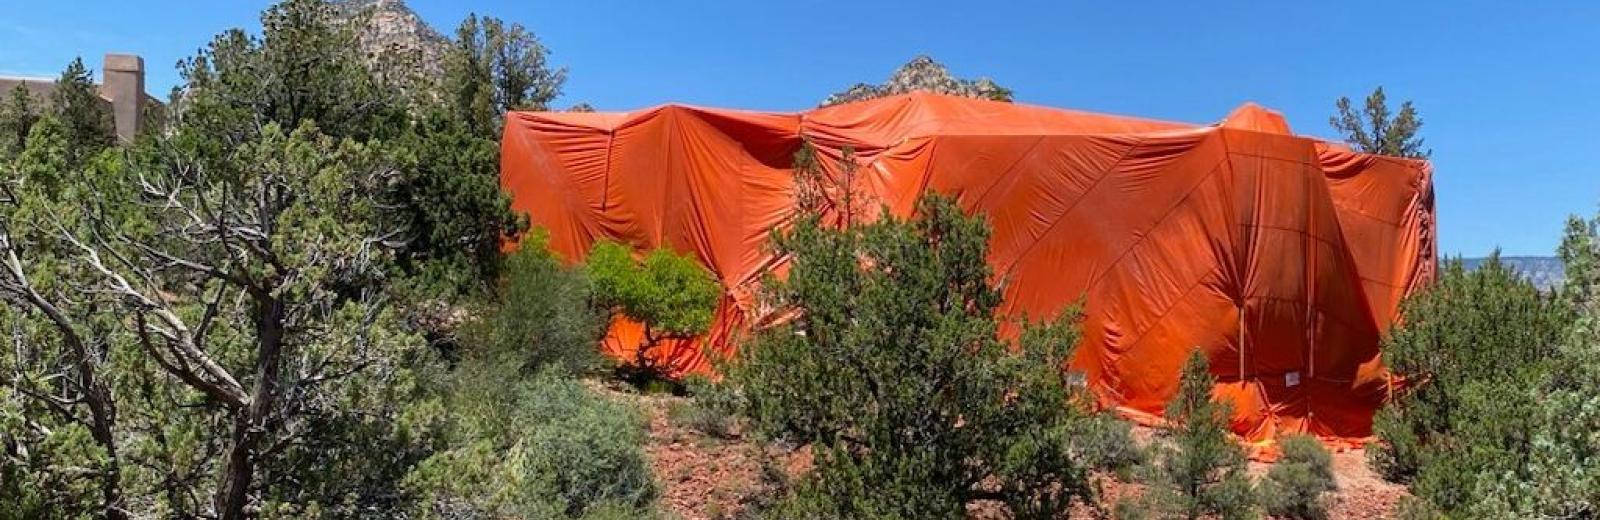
x=1283 y=257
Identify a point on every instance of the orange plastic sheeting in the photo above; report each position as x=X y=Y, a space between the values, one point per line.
x=1283 y=258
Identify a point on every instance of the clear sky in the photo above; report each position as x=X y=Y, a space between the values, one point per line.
x=1509 y=91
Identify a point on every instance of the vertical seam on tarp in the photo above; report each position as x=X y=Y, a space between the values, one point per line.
x=605 y=185
x=1312 y=289
x=1227 y=159
x=1311 y=292
x=927 y=170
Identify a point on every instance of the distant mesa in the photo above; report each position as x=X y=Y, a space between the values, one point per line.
x=1546 y=272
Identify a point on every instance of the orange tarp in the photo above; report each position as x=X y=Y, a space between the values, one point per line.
x=1283 y=257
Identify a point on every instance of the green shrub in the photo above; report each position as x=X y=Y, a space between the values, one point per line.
x=705 y=412
x=1469 y=346
x=1106 y=442
x=670 y=294
x=893 y=373
x=701 y=419
x=1294 y=486
x=1481 y=351
x=542 y=314
x=542 y=448
x=1201 y=470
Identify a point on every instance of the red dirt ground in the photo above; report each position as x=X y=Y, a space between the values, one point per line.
x=703 y=477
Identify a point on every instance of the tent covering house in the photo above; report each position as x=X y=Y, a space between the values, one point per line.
x=1281 y=256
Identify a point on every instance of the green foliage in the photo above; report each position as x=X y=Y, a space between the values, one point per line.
x=1376 y=130
x=17 y=115
x=893 y=373
x=708 y=413
x=542 y=316
x=305 y=66
x=515 y=446
x=1295 y=485
x=1469 y=346
x=447 y=196
x=1561 y=456
x=45 y=472
x=1201 y=470
x=669 y=293
x=214 y=320
x=543 y=447
x=76 y=103
x=57 y=443
x=1499 y=415
x=492 y=68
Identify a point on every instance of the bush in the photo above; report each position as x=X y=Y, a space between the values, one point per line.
x=706 y=412
x=1202 y=471
x=1478 y=349
x=542 y=316
x=1295 y=485
x=701 y=419
x=1106 y=442
x=670 y=294
x=893 y=373
x=541 y=448
x=1484 y=332
x=1554 y=471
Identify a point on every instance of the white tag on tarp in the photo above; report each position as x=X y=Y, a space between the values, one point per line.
x=1291 y=379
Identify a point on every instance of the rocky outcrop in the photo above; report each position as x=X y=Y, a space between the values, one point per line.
x=394 y=35
x=924 y=74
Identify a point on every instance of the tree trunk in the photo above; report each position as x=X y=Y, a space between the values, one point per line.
x=102 y=412
x=233 y=491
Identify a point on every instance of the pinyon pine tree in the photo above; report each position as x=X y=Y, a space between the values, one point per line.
x=1377 y=130
x=1201 y=470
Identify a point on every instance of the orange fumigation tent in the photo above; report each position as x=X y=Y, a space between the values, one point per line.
x=1281 y=256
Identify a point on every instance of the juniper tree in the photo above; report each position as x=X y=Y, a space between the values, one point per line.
x=893 y=371
x=1523 y=443
x=543 y=315
x=493 y=67
x=203 y=323
x=1462 y=345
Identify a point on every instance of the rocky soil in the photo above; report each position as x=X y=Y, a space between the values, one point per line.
x=707 y=477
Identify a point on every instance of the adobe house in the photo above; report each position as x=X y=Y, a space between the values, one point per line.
x=121 y=90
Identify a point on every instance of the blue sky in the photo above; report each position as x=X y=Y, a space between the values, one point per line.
x=1510 y=94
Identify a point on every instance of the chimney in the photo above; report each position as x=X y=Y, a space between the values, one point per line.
x=123 y=84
